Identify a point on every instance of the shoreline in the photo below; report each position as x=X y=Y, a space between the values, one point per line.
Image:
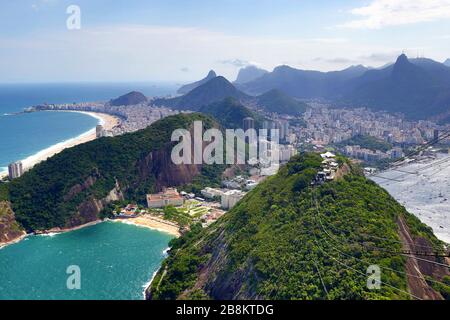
x=17 y=240
x=108 y=121
x=50 y=233
x=168 y=229
x=153 y=224
x=55 y=231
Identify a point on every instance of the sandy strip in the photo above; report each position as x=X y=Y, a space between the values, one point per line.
x=106 y=120
x=150 y=222
x=17 y=240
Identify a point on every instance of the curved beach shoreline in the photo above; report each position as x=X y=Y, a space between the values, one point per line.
x=106 y=120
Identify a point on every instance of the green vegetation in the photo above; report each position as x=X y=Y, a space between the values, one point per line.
x=4 y=192
x=368 y=142
x=230 y=113
x=9 y=228
x=186 y=214
x=210 y=177
x=49 y=195
x=286 y=237
x=278 y=102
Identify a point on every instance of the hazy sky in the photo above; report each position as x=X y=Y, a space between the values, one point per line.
x=181 y=40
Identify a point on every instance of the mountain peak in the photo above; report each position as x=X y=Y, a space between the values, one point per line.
x=213 y=90
x=131 y=98
x=447 y=62
x=211 y=74
x=191 y=86
x=402 y=59
x=403 y=67
x=249 y=73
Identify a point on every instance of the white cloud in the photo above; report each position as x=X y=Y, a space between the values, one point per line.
x=142 y=52
x=40 y=3
x=383 y=13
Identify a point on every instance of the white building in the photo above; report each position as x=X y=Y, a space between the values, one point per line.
x=287 y=152
x=169 y=197
x=211 y=193
x=230 y=198
x=15 y=170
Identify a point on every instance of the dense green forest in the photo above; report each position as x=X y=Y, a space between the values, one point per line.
x=290 y=240
x=278 y=102
x=49 y=195
x=230 y=113
x=368 y=142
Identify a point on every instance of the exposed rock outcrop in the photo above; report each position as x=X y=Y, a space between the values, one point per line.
x=419 y=268
x=10 y=230
x=88 y=211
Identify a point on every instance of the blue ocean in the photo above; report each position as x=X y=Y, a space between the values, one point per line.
x=23 y=135
x=115 y=260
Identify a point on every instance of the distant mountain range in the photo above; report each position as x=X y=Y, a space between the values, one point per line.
x=189 y=87
x=419 y=88
x=129 y=99
x=249 y=73
x=447 y=62
x=212 y=91
x=216 y=90
x=302 y=83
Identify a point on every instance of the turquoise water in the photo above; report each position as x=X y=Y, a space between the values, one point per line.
x=116 y=260
x=24 y=135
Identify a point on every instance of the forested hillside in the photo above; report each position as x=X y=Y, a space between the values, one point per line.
x=74 y=186
x=288 y=239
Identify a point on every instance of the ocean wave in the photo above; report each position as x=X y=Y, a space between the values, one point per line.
x=166 y=252
x=147 y=284
x=51 y=234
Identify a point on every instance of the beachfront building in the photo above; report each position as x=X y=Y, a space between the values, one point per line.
x=130 y=211
x=230 y=198
x=99 y=131
x=15 y=170
x=168 y=197
x=211 y=193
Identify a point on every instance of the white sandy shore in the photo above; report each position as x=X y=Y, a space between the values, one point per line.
x=106 y=120
x=149 y=222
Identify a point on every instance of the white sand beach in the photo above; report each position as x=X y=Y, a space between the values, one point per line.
x=148 y=221
x=106 y=120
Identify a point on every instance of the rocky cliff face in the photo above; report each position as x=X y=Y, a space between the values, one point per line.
x=157 y=164
x=9 y=228
x=88 y=211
